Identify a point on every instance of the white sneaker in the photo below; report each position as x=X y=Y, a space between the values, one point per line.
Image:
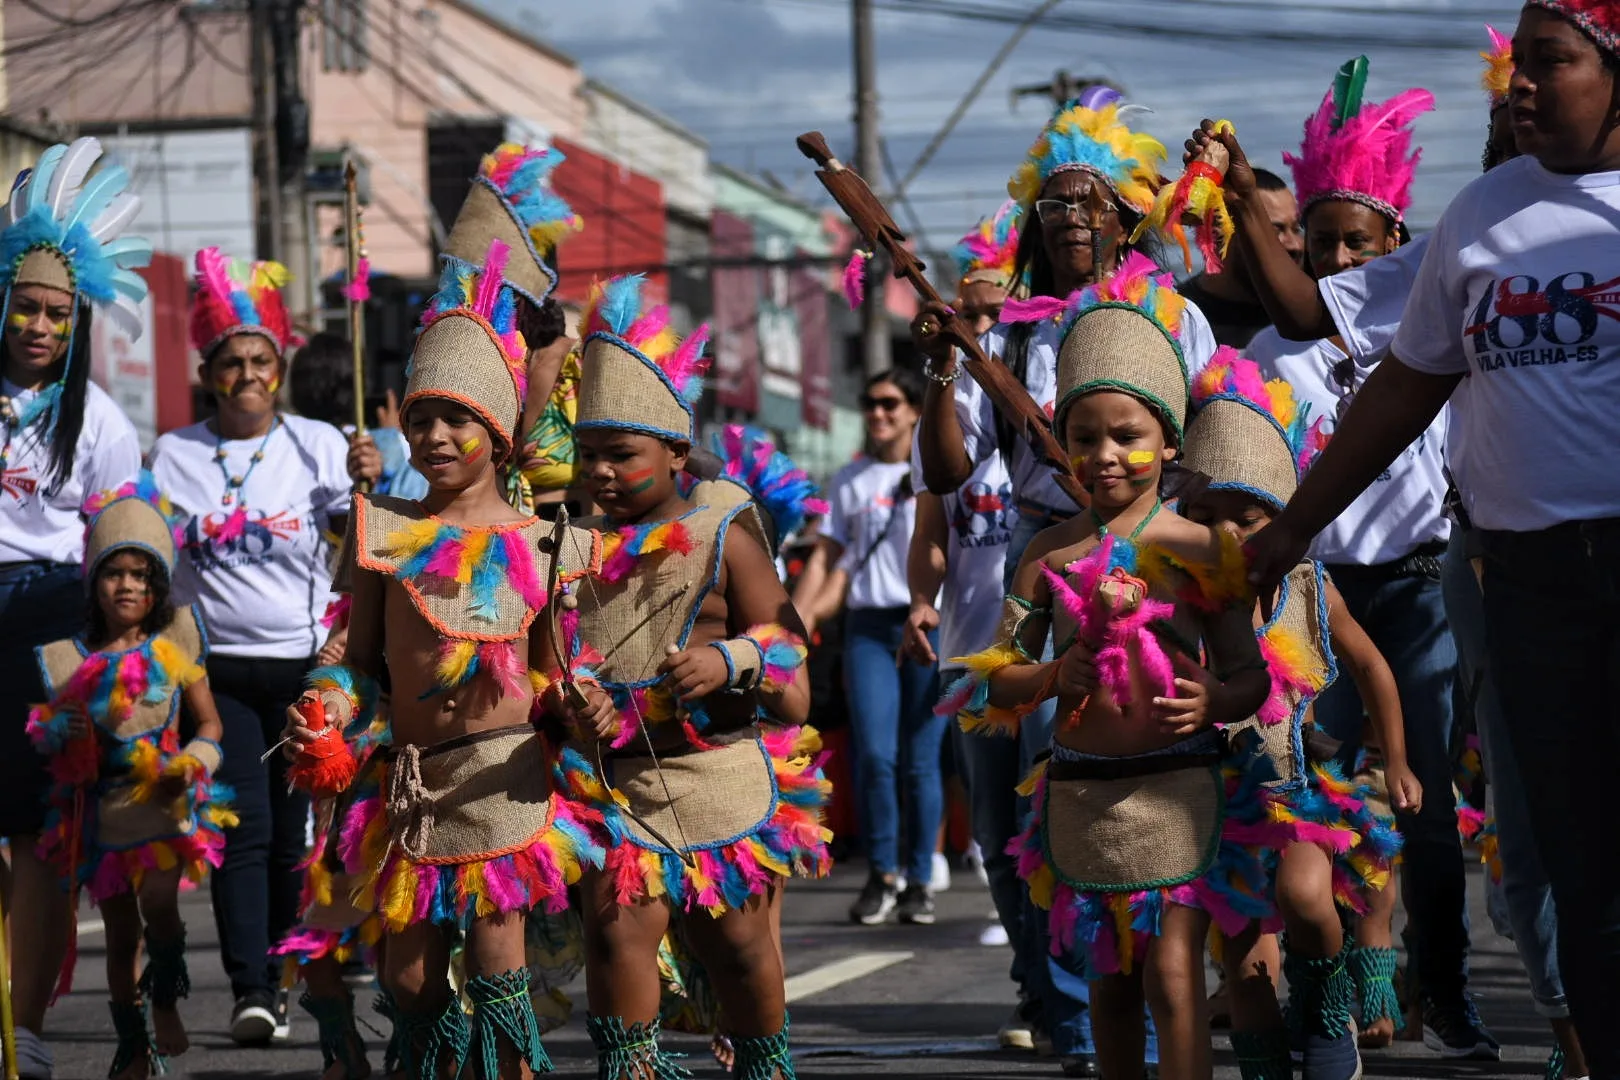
x=994 y=935
x=940 y=879
x=974 y=857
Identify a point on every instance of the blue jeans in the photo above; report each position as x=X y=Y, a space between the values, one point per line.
x=1552 y=624
x=1521 y=904
x=40 y=602
x=1406 y=619
x=893 y=703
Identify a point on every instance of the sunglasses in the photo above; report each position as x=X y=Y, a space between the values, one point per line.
x=881 y=404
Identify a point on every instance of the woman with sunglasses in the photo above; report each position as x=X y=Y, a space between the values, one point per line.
x=865 y=541
x=1513 y=319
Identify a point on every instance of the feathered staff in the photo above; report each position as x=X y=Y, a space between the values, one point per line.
x=357 y=291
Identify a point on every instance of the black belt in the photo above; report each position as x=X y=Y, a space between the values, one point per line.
x=1421 y=561
x=1127 y=767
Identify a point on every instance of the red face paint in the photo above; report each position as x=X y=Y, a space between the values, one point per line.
x=471 y=450
x=640 y=481
x=1139 y=467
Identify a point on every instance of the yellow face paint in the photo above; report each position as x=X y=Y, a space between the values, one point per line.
x=1140 y=457
x=471 y=450
x=275 y=384
x=17 y=321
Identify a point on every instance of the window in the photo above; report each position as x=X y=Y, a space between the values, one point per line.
x=344 y=38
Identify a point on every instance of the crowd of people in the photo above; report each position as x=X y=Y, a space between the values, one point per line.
x=521 y=660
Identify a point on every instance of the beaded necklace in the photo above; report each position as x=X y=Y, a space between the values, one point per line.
x=234 y=485
x=1102 y=526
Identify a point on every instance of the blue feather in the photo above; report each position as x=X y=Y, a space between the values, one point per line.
x=40 y=182
x=620 y=306
x=97 y=195
x=129 y=252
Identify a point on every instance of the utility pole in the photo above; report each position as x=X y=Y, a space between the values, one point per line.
x=1063 y=88
x=869 y=163
x=266 y=167
x=280 y=147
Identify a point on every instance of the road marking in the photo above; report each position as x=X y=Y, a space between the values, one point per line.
x=850 y=968
x=91 y=926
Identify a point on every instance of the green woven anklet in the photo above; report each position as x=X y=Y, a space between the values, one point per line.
x=764 y=1057
x=334 y=1019
x=1263 y=1055
x=165 y=979
x=423 y=1040
x=1374 y=973
x=1320 y=992
x=134 y=1039
x=630 y=1052
x=502 y=1011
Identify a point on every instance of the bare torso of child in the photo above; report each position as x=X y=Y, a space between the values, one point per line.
x=1096 y=724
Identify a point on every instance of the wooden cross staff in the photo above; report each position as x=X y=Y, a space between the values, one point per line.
x=1008 y=395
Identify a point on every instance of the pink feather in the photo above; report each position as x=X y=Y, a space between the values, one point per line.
x=688 y=362
x=855 y=278
x=1367 y=155
x=500 y=659
x=490 y=279
x=233 y=526
x=446 y=559
x=359 y=288
x=1036 y=308
x=956 y=696
x=647 y=327
x=521 y=573
x=214 y=273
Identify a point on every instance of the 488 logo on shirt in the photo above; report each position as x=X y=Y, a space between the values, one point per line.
x=1518 y=323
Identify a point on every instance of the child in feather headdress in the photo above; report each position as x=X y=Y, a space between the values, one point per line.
x=1250 y=439
x=463 y=831
x=1143 y=831
x=685 y=695
x=133 y=814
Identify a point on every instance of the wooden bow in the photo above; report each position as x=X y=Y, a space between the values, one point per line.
x=1008 y=395
x=558 y=596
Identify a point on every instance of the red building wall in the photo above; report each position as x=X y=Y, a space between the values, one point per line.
x=624 y=225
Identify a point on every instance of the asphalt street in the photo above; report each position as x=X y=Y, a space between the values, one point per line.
x=866 y=1002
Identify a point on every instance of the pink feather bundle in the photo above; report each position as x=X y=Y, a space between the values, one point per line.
x=358 y=289
x=686 y=365
x=854 y=279
x=1037 y=308
x=233 y=527
x=490 y=280
x=648 y=325
x=1370 y=155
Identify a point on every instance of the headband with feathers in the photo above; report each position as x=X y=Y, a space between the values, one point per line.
x=990 y=251
x=1359 y=152
x=618 y=323
x=1088 y=135
x=1597 y=19
x=238 y=297
x=63 y=229
x=1498 y=71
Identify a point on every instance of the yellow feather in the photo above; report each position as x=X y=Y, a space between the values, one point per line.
x=410 y=540
x=1030 y=783
x=766 y=858
x=472 y=553
x=399 y=903
x=652 y=871
x=453 y=662
x=1120 y=904
x=1283 y=405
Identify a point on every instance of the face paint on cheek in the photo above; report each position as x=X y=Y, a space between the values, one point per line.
x=1081 y=464
x=641 y=481
x=224 y=387
x=1139 y=466
x=16 y=322
x=471 y=450
x=273 y=385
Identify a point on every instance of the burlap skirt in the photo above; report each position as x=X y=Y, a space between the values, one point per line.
x=738 y=818
x=464 y=829
x=1105 y=857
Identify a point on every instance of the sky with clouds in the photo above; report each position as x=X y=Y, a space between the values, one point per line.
x=750 y=75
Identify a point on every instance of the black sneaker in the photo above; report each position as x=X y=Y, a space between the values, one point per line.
x=917 y=905
x=253 y=1021
x=1456 y=1032
x=872 y=907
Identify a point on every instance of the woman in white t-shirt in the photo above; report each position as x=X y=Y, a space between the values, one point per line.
x=1514 y=319
x=262 y=492
x=897 y=736
x=61 y=440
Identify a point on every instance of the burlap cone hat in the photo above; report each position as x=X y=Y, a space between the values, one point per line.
x=511 y=200
x=470 y=350
x=636 y=374
x=1247 y=434
x=1122 y=336
x=136 y=515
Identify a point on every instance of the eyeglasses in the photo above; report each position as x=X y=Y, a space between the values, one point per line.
x=1052 y=211
x=881 y=404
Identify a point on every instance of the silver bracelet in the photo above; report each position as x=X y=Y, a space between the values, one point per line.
x=943 y=380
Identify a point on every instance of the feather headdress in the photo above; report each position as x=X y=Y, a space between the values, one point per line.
x=1088 y=135
x=1498 y=71
x=1597 y=19
x=63 y=229
x=136 y=514
x=990 y=251
x=470 y=349
x=235 y=296
x=1357 y=151
x=783 y=490
x=512 y=200
x=636 y=373
x=1248 y=434
x=1119 y=334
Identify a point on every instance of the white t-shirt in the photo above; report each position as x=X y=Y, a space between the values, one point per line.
x=865 y=495
x=40 y=527
x=1366 y=301
x=264 y=593
x=979 y=519
x=1520 y=292
x=975 y=412
x=1405 y=506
